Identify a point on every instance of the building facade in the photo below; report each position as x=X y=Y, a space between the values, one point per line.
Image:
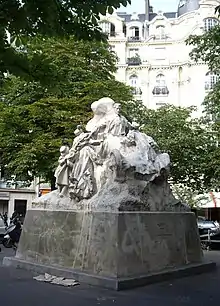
x=14 y=196
x=153 y=56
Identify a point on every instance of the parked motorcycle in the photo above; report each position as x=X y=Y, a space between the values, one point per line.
x=12 y=234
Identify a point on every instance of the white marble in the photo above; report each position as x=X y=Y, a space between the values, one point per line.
x=112 y=165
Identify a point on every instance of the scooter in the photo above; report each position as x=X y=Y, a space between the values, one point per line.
x=12 y=234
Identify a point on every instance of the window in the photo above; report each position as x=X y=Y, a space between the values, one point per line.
x=133 y=52
x=134 y=33
x=20 y=207
x=133 y=80
x=211 y=79
x=108 y=28
x=180 y=74
x=160 y=32
x=111 y=48
x=209 y=23
x=160 y=88
x=133 y=58
x=160 y=80
x=125 y=29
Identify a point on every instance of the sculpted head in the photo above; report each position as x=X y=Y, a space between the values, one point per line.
x=64 y=150
x=117 y=107
x=102 y=106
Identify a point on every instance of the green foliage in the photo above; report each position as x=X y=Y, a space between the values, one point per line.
x=27 y=18
x=206 y=49
x=37 y=116
x=217 y=10
x=188 y=141
x=189 y=196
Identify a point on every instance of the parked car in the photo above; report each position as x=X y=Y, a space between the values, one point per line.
x=209 y=233
x=205 y=225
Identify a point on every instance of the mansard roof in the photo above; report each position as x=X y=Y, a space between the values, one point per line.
x=186 y=6
x=142 y=17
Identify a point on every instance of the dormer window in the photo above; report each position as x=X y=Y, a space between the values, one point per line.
x=160 y=32
x=134 y=16
x=182 y=3
x=134 y=34
x=108 y=28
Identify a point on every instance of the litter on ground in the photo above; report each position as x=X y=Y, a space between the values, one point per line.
x=52 y=279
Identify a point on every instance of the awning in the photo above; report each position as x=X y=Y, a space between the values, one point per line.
x=213 y=200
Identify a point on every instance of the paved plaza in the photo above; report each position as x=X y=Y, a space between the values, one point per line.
x=18 y=288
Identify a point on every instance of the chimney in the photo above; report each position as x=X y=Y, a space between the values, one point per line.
x=147 y=9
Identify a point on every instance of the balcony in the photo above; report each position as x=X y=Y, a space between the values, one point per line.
x=112 y=34
x=134 y=61
x=136 y=91
x=160 y=91
x=161 y=37
x=134 y=38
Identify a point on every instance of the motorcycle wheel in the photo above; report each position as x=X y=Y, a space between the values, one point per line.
x=7 y=243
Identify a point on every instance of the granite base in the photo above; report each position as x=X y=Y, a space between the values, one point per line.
x=116 y=250
x=110 y=282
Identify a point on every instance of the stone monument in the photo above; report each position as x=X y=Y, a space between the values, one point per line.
x=113 y=221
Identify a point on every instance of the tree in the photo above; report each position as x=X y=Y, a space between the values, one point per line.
x=188 y=141
x=189 y=196
x=206 y=50
x=37 y=116
x=48 y=18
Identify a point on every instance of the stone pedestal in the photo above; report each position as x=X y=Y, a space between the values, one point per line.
x=111 y=249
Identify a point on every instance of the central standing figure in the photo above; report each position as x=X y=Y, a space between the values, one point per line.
x=91 y=148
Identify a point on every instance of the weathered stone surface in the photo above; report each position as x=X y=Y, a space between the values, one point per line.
x=114 y=218
x=111 y=166
x=117 y=245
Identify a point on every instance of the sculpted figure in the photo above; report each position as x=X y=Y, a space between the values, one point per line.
x=112 y=154
x=62 y=172
x=86 y=153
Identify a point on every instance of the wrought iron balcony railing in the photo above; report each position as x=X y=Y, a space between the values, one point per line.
x=160 y=90
x=134 y=61
x=136 y=91
x=134 y=38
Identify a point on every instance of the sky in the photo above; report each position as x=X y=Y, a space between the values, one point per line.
x=137 y=6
